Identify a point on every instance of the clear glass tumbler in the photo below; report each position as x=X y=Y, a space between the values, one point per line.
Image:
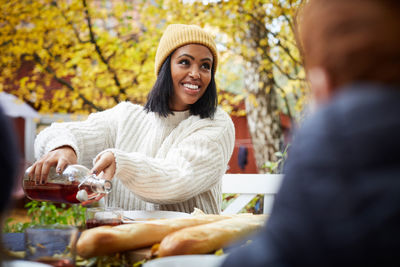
x=103 y=216
x=51 y=244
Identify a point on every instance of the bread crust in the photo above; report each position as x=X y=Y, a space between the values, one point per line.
x=210 y=237
x=107 y=239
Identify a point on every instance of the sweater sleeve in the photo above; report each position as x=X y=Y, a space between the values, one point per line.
x=190 y=167
x=87 y=138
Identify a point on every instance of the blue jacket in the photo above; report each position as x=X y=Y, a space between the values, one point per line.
x=339 y=204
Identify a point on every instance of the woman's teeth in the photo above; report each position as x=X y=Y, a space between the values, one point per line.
x=191 y=86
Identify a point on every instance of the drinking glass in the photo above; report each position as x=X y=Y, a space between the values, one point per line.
x=101 y=216
x=51 y=244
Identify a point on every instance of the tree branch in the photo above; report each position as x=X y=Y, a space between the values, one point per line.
x=64 y=82
x=76 y=32
x=281 y=70
x=262 y=26
x=134 y=79
x=284 y=48
x=100 y=53
x=285 y=99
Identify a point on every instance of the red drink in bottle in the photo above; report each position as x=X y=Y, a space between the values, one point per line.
x=75 y=185
x=91 y=223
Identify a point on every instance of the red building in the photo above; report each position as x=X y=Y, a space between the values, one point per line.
x=242 y=140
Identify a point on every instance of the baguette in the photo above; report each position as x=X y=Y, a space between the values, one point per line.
x=105 y=240
x=209 y=237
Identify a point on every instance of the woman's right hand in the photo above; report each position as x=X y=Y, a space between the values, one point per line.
x=60 y=157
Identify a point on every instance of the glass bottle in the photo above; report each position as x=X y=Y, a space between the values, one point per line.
x=74 y=185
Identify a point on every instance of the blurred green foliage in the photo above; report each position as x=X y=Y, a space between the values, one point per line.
x=277 y=166
x=46 y=213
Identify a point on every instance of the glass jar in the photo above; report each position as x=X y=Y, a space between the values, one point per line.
x=74 y=185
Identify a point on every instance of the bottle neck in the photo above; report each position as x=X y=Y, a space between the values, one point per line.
x=97 y=185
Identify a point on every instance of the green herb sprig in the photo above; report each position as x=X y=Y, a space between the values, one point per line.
x=47 y=213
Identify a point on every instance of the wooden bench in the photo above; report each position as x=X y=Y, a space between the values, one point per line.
x=248 y=186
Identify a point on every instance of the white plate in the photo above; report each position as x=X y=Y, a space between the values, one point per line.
x=136 y=216
x=187 y=260
x=21 y=263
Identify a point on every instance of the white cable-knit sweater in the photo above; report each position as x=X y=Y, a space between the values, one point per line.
x=174 y=163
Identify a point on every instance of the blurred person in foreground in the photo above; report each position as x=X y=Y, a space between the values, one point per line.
x=9 y=167
x=339 y=204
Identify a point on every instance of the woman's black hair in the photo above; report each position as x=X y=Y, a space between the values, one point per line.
x=159 y=96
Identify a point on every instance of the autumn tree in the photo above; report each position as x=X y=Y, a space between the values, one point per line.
x=97 y=55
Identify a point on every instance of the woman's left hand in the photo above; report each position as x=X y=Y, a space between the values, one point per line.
x=105 y=163
x=104 y=167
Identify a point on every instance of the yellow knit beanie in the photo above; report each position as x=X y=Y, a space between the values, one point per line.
x=177 y=35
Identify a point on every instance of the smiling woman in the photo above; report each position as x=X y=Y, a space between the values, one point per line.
x=191 y=75
x=186 y=57
x=170 y=154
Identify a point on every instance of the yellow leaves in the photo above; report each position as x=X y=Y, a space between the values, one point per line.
x=119 y=9
x=261 y=50
x=127 y=36
x=30 y=85
x=104 y=102
x=264 y=42
x=249 y=5
x=252 y=100
x=7 y=72
x=22 y=81
x=268 y=89
x=237 y=98
x=59 y=94
x=301 y=74
x=239 y=113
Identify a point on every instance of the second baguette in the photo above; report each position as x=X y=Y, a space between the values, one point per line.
x=209 y=237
